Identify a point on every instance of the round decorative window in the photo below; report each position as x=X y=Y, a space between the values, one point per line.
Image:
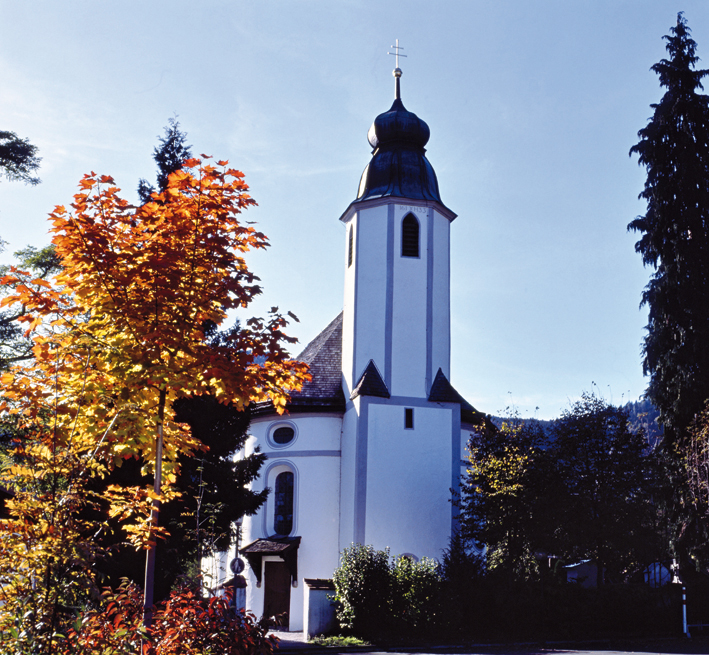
x=282 y=435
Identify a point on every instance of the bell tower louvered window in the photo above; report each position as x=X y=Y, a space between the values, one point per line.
x=410 y=236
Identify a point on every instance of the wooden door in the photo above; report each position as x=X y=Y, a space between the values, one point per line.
x=276 y=596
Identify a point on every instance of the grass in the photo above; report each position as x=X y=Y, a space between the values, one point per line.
x=338 y=641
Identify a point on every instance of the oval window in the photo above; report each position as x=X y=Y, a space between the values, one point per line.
x=283 y=435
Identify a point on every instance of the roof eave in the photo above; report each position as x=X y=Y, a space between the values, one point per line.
x=356 y=205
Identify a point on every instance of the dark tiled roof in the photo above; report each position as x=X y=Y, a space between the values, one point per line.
x=323 y=392
x=399 y=166
x=371 y=383
x=442 y=391
x=271 y=546
x=284 y=547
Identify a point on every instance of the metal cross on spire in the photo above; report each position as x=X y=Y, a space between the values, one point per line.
x=397 y=54
x=397 y=70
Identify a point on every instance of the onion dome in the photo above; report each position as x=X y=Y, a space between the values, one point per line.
x=399 y=166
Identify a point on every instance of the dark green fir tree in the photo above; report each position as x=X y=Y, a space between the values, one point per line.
x=169 y=155
x=674 y=149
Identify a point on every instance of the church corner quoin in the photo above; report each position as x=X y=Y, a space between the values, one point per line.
x=372 y=445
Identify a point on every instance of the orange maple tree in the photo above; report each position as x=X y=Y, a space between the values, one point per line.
x=120 y=333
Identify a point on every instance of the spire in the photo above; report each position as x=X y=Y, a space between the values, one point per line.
x=398 y=166
x=397 y=70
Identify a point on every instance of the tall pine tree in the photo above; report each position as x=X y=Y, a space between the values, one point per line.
x=674 y=148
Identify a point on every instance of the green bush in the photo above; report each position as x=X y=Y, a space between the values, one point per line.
x=363 y=590
x=415 y=594
x=380 y=597
x=398 y=600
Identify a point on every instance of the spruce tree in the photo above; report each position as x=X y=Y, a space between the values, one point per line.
x=169 y=155
x=674 y=148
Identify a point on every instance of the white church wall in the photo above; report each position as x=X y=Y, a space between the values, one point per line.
x=440 y=334
x=348 y=307
x=315 y=447
x=465 y=434
x=371 y=293
x=408 y=480
x=408 y=337
x=254 y=594
x=347 y=475
x=215 y=570
x=314 y=458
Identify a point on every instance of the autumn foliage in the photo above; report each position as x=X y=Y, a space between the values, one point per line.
x=118 y=335
x=184 y=625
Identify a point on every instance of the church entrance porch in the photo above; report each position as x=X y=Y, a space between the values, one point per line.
x=274 y=562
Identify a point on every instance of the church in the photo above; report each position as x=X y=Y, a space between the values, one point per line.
x=370 y=448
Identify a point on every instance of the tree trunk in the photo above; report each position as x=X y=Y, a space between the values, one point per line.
x=148 y=599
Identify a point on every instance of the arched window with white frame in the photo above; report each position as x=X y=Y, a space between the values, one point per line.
x=283 y=503
x=280 y=517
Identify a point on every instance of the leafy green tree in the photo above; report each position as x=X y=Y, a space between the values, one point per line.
x=674 y=149
x=502 y=494
x=18 y=158
x=169 y=155
x=603 y=504
x=125 y=331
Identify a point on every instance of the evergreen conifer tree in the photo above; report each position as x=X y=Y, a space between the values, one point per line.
x=674 y=148
x=169 y=155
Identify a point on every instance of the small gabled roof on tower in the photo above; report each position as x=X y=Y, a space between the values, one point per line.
x=371 y=383
x=442 y=391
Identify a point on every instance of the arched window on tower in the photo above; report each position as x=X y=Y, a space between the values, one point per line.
x=410 y=236
x=283 y=501
x=350 y=248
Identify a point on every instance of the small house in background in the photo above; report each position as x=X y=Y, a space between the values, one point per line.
x=582 y=573
x=658 y=574
x=371 y=447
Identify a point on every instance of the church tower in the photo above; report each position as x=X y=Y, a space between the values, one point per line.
x=371 y=446
x=399 y=443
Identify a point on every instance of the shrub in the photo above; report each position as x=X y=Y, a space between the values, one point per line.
x=416 y=594
x=363 y=584
x=184 y=624
x=383 y=598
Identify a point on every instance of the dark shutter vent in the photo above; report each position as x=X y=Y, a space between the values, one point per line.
x=409 y=236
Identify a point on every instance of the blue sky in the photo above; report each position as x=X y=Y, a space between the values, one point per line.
x=533 y=107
